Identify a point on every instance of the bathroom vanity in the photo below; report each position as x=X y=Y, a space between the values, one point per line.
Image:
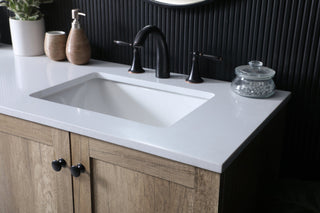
x=215 y=157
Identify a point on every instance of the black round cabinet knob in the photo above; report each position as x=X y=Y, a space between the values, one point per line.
x=57 y=164
x=76 y=170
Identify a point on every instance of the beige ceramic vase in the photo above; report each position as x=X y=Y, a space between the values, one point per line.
x=55 y=45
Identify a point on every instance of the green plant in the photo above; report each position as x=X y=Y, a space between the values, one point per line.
x=25 y=9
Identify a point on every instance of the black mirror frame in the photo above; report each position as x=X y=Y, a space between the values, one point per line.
x=155 y=2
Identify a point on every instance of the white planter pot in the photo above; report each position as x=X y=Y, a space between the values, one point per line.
x=27 y=37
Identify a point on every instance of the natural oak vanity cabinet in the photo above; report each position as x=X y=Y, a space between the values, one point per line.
x=116 y=179
x=121 y=180
x=27 y=182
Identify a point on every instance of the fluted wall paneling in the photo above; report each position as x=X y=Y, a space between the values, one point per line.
x=284 y=34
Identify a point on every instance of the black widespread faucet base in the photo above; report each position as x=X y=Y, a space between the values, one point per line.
x=194 y=81
x=136 y=72
x=163 y=76
x=194 y=76
x=136 y=62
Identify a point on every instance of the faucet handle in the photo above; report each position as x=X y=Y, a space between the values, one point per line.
x=136 y=62
x=125 y=44
x=194 y=76
x=211 y=57
x=122 y=43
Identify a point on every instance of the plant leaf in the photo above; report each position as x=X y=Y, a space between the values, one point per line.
x=25 y=9
x=3 y=3
x=32 y=18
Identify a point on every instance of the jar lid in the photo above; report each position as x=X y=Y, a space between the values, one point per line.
x=254 y=71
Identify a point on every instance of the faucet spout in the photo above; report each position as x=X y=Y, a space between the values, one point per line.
x=162 y=67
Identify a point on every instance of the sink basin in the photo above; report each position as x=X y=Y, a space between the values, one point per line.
x=141 y=101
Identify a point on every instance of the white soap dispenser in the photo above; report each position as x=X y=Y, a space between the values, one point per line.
x=78 y=48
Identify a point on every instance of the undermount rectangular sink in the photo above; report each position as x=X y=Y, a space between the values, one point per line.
x=127 y=98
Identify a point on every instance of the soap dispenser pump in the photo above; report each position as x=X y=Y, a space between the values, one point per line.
x=78 y=49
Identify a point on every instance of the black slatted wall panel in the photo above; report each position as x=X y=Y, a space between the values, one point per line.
x=284 y=34
x=4 y=26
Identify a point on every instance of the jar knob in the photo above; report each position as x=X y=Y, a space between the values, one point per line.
x=255 y=64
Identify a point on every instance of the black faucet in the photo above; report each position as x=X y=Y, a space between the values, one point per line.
x=162 y=69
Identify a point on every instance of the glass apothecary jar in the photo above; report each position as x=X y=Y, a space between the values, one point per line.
x=254 y=80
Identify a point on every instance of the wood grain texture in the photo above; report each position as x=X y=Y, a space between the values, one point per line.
x=121 y=190
x=29 y=184
x=128 y=181
x=81 y=184
x=172 y=197
x=26 y=129
x=207 y=191
x=142 y=162
x=61 y=148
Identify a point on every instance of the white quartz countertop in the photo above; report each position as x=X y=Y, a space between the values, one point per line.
x=210 y=137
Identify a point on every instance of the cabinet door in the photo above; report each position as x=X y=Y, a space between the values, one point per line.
x=121 y=180
x=28 y=184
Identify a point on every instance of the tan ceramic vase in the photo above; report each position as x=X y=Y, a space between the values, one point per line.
x=78 y=49
x=55 y=45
